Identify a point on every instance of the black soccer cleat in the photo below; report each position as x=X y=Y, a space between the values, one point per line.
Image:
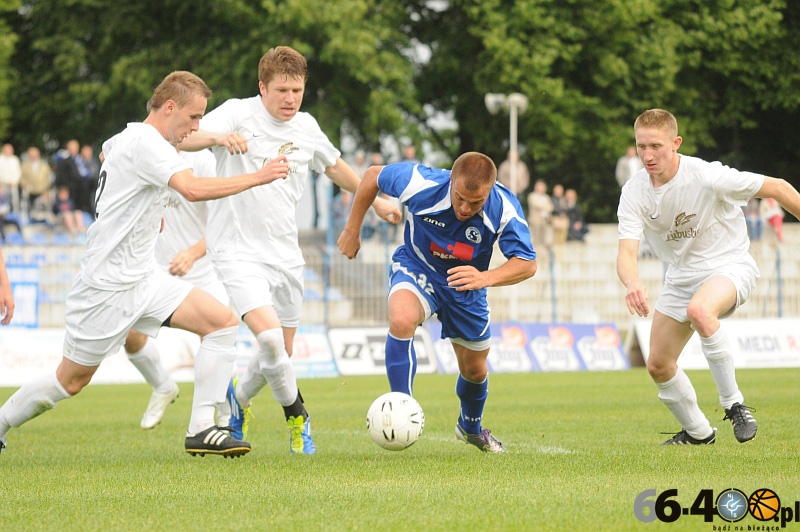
x=214 y=441
x=744 y=425
x=683 y=438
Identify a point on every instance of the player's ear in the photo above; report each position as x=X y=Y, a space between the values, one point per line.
x=677 y=143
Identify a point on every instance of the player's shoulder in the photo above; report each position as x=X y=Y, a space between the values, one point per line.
x=129 y=138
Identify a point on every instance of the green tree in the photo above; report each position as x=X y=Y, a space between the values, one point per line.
x=8 y=40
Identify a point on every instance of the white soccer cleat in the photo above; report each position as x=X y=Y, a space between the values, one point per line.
x=157 y=406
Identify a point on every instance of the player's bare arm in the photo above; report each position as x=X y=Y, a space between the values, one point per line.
x=183 y=261
x=6 y=296
x=233 y=142
x=628 y=272
x=514 y=271
x=350 y=240
x=207 y=188
x=343 y=175
x=783 y=192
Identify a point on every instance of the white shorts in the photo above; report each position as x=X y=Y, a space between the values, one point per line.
x=97 y=321
x=681 y=285
x=253 y=285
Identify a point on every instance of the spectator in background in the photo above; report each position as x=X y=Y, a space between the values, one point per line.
x=5 y=208
x=523 y=177
x=772 y=213
x=409 y=154
x=752 y=215
x=360 y=163
x=6 y=295
x=341 y=210
x=67 y=173
x=10 y=172
x=36 y=180
x=540 y=210
x=577 y=224
x=627 y=165
x=560 y=219
x=89 y=168
x=66 y=213
x=375 y=158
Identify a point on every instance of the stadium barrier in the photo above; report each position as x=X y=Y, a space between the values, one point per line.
x=320 y=352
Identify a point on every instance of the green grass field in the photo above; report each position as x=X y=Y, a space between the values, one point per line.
x=581 y=446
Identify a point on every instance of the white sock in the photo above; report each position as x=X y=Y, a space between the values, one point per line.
x=148 y=362
x=213 y=368
x=679 y=396
x=716 y=349
x=35 y=397
x=274 y=366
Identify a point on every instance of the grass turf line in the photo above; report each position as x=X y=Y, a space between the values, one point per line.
x=581 y=447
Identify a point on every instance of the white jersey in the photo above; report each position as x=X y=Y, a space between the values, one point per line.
x=695 y=221
x=259 y=224
x=185 y=221
x=131 y=196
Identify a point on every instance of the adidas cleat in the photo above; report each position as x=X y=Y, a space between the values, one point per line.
x=744 y=425
x=240 y=417
x=214 y=441
x=483 y=441
x=300 y=441
x=157 y=406
x=683 y=438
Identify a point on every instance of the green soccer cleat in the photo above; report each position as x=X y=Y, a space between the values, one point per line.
x=300 y=441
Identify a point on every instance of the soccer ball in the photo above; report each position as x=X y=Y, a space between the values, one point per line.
x=395 y=421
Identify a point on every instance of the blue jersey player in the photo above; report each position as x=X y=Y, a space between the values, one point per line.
x=454 y=219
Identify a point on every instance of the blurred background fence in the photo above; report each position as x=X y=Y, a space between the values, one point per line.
x=575 y=283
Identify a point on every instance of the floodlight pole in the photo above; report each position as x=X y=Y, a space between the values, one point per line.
x=515 y=103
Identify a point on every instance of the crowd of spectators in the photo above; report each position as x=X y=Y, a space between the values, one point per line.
x=55 y=193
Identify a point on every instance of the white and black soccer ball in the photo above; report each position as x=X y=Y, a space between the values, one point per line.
x=395 y=421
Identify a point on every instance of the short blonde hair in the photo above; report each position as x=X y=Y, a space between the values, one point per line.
x=282 y=61
x=657 y=119
x=181 y=87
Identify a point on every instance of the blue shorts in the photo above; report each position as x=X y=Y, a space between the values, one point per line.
x=463 y=315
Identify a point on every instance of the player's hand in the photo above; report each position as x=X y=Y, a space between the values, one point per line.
x=6 y=304
x=234 y=142
x=277 y=168
x=349 y=243
x=181 y=263
x=636 y=299
x=464 y=278
x=387 y=210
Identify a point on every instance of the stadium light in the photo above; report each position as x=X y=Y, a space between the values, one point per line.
x=516 y=103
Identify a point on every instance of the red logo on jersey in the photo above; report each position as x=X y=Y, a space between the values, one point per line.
x=456 y=250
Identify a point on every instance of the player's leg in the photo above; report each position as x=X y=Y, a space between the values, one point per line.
x=406 y=313
x=272 y=366
x=143 y=354
x=719 y=296
x=89 y=314
x=41 y=394
x=668 y=337
x=202 y=314
x=472 y=389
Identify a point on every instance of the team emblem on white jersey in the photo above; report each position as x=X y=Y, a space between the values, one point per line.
x=683 y=219
x=286 y=149
x=473 y=235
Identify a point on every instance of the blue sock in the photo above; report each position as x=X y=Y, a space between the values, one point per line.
x=473 y=397
x=401 y=364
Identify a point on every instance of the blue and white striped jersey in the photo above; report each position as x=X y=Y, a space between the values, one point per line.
x=436 y=239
